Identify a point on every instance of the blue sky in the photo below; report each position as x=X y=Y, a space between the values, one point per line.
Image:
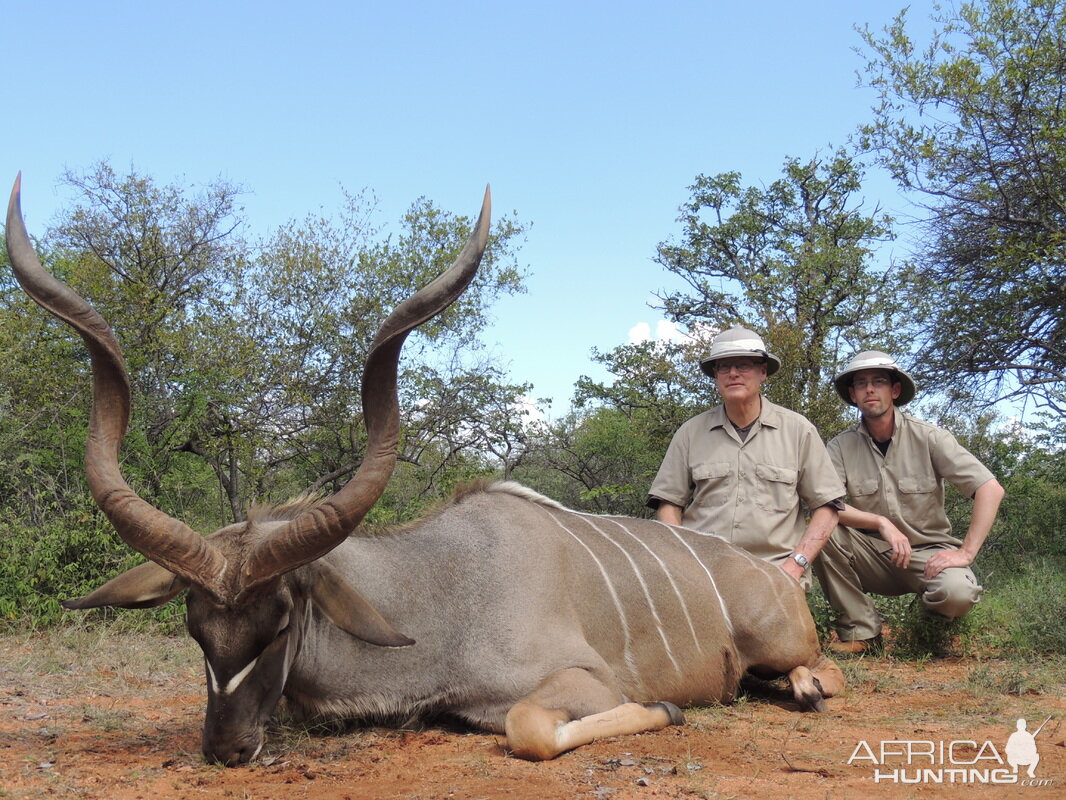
x=589 y=119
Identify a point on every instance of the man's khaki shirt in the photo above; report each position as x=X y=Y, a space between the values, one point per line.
x=906 y=485
x=748 y=492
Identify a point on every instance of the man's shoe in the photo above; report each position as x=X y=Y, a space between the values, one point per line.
x=856 y=647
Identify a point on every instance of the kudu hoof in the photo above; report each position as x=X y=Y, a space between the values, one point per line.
x=672 y=711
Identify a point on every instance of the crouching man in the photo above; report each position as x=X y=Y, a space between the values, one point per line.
x=894 y=536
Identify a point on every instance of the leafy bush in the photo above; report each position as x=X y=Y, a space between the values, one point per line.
x=1031 y=522
x=1023 y=611
x=916 y=634
x=68 y=555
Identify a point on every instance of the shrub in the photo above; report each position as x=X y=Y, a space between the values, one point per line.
x=1023 y=611
x=68 y=555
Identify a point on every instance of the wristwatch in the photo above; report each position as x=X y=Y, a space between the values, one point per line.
x=800 y=559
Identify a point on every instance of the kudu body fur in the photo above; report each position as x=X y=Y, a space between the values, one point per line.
x=518 y=615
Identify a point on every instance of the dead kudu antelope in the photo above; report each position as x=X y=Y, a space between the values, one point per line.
x=518 y=616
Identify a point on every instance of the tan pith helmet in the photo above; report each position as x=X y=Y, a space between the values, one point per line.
x=738 y=342
x=874 y=359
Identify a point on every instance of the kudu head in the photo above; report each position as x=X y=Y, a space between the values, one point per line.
x=248 y=600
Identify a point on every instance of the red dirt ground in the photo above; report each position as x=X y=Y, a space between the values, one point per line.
x=92 y=720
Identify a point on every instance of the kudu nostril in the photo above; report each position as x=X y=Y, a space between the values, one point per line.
x=232 y=754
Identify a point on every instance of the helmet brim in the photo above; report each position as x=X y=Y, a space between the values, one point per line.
x=773 y=363
x=842 y=382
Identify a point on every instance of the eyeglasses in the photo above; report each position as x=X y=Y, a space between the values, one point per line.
x=743 y=367
x=880 y=382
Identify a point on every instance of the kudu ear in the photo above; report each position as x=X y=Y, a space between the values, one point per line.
x=146 y=586
x=349 y=610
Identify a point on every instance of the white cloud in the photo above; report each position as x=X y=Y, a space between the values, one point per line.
x=641 y=332
x=665 y=331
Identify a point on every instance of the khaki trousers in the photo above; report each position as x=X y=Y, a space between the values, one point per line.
x=854 y=563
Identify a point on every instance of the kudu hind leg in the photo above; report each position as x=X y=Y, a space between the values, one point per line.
x=570 y=708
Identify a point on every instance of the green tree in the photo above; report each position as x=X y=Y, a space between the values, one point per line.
x=469 y=410
x=600 y=460
x=603 y=455
x=795 y=261
x=975 y=125
x=658 y=378
x=244 y=358
x=43 y=397
x=313 y=299
x=151 y=258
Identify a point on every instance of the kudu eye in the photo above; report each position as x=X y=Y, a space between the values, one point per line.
x=283 y=628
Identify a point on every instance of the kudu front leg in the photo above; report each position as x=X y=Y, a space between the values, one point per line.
x=811 y=685
x=571 y=708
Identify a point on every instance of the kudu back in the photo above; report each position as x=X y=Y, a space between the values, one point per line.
x=502 y=609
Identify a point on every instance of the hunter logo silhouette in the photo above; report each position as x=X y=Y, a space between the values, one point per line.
x=1021 y=748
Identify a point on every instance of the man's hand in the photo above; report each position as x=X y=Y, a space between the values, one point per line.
x=901 y=546
x=944 y=559
x=790 y=567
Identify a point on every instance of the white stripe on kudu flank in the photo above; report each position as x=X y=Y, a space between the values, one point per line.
x=677 y=533
x=643 y=586
x=669 y=577
x=627 y=647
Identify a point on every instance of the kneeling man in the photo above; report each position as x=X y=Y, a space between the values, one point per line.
x=894 y=536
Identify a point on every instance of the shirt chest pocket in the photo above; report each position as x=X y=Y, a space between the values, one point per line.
x=863 y=488
x=776 y=487
x=920 y=498
x=711 y=481
x=922 y=484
